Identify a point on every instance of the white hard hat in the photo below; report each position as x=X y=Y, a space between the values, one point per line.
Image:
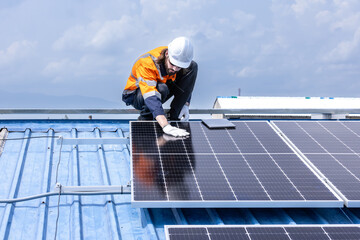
x=181 y=52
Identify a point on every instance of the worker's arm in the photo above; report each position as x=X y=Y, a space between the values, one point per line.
x=161 y=119
x=168 y=129
x=145 y=77
x=152 y=99
x=184 y=113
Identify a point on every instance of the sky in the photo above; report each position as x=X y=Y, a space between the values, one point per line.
x=79 y=53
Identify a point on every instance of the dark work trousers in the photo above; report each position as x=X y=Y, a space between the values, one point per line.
x=181 y=89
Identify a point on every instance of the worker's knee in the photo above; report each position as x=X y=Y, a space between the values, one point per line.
x=138 y=102
x=163 y=90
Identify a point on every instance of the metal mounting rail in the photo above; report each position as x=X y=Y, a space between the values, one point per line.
x=192 y=111
x=93 y=190
x=92 y=141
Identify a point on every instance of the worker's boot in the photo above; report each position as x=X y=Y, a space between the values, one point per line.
x=145 y=114
x=145 y=118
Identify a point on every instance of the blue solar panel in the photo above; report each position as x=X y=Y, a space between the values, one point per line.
x=333 y=148
x=264 y=232
x=249 y=166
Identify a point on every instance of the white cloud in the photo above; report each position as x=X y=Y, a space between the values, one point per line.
x=345 y=49
x=208 y=30
x=241 y=20
x=345 y=4
x=308 y=46
x=247 y=72
x=112 y=31
x=16 y=51
x=88 y=66
x=168 y=10
x=323 y=17
x=253 y=41
x=98 y=35
x=57 y=67
x=75 y=37
x=300 y=6
x=347 y=21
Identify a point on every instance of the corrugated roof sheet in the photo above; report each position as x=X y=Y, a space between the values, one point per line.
x=29 y=167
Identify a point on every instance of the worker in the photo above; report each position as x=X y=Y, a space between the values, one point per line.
x=158 y=75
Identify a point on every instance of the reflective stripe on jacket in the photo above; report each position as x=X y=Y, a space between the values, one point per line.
x=145 y=74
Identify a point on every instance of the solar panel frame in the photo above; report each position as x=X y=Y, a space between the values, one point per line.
x=275 y=231
x=167 y=203
x=351 y=203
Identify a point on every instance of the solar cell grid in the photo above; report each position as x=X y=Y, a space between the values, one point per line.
x=195 y=233
x=333 y=148
x=180 y=185
x=303 y=233
x=320 y=135
x=231 y=233
x=267 y=137
x=245 y=140
x=344 y=134
x=251 y=232
x=213 y=184
x=211 y=166
x=147 y=171
x=353 y=126
x=219 y=140
x=246 y=184
x=301 y=139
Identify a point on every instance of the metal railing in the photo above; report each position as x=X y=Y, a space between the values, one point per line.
x=192 y=111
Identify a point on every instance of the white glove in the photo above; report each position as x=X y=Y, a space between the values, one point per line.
x=184 y=113
x=174 y=131
x=168 y=138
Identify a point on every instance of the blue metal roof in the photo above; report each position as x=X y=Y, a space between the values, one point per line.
x=29 y=167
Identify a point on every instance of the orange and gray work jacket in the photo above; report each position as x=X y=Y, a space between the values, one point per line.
x=145 y=74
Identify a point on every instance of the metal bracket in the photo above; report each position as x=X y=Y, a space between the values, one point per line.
x=115 y=189
x=3 y=136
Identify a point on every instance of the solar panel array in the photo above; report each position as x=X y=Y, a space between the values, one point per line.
x=249 y=166
x=333 y=147
x=270 y=232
